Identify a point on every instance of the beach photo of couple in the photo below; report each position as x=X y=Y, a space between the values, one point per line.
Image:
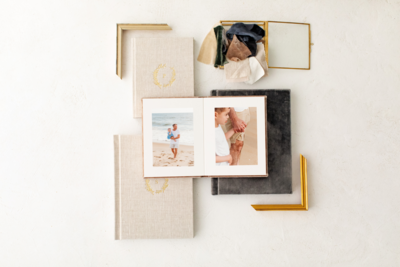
x=235 y=136
x=173 y=137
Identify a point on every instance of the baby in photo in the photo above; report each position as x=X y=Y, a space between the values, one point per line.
x=222 y=152
x=170 y=134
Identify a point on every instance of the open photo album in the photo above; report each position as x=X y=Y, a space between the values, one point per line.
x=205 y=137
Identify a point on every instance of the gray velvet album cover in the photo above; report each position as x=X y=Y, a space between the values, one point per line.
x=279 y=180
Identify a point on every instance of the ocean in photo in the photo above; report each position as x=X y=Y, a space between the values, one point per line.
x=162 y=121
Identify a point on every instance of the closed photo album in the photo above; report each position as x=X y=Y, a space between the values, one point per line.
x=162 y=67
x=205 y=137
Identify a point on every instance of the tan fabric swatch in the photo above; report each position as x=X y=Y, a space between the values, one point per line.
x=148 y=208
x=208 y=50
x=260 y=56
x=237 y=50
x=237 y=71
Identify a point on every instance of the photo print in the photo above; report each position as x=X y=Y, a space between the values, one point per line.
x=173 y=139
x=235 y=136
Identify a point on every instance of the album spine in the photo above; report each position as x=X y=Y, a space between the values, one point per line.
x=117 y=181
x=214 y=181
x=136 y=113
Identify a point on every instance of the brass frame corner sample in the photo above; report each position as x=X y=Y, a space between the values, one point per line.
x=304 y=193
x=123 y=27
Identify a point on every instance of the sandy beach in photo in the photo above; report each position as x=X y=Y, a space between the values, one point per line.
x=249 y=151
x=163 y=157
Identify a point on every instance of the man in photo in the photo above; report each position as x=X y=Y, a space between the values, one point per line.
x=174 y=143
x=239 y=117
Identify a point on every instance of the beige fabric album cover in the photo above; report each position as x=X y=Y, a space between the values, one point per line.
x=148 y=208
x=162 y=67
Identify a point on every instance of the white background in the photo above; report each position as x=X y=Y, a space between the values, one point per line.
x=61 y=103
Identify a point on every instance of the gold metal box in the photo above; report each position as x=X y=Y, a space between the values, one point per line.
x=264 y=25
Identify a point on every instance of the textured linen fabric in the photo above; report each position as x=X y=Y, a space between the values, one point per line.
x=163 y=67
x=208 y=49
x=261 y=57
x=148 y=208
x=237 y=71
x=256 y=71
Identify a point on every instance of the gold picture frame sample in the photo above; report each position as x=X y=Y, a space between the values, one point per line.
x=124 y=27
x=304 y=193
x=264 y=25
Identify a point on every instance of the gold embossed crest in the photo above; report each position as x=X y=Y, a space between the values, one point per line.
x=157 y=191
x=156 y=80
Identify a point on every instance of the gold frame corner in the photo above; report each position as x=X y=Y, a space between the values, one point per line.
x=304 y=193
x=123 y=27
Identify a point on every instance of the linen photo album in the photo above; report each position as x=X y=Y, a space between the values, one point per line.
x=203 y=137
x=148 y=208
x=162 y=67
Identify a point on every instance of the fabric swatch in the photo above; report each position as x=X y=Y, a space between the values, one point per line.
x=220 y=59
x=208 y=49
x=261 y=57
x=237 y=71
x=256 y=71
x=237 y=50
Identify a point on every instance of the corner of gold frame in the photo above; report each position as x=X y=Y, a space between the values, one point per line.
x=124 y=26
x=304 y=193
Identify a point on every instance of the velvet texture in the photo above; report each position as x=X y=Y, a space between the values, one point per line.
x=220 y=59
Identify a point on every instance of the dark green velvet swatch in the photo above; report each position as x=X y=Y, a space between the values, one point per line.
x=220 y=59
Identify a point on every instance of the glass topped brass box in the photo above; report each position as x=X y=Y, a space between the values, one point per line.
x=287 y=44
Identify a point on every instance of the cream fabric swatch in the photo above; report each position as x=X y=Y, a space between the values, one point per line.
x=256 y=71
x=260 y=56
x=163 y=67
x=237 y=71
x=148 y=208
x=208 y=49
